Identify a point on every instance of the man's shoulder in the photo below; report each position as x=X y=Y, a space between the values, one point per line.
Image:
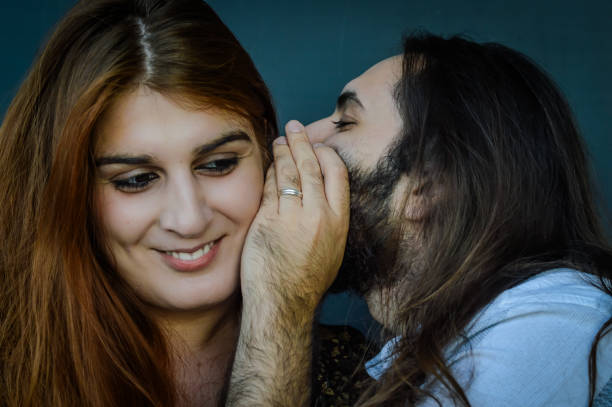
x=554 y=289
x=561 y=298
x=536 y=339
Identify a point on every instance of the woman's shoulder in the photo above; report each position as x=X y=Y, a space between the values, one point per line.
x=339 y=356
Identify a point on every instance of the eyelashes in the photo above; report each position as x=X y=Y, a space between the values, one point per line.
x=141 y=181
x=135 y=182
x=220 y=166
x=342 y=124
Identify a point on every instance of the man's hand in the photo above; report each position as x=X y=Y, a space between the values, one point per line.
x=291 y=256
x=295 y=245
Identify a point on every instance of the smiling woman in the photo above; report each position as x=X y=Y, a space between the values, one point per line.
x=176 y=192
x=132 y=162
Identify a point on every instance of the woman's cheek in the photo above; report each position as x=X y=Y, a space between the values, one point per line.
x=124 y=217
x=238 y=196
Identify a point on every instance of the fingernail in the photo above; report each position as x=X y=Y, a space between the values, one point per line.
x=294 y=126
x=318 y=145
x=280 y=140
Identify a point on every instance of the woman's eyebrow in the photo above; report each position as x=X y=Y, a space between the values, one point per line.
x=233 y=135
x=126 y=159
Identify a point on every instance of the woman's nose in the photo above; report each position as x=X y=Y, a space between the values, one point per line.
x=186 y=212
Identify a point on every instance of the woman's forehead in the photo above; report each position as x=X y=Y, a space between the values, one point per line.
x=144 y=117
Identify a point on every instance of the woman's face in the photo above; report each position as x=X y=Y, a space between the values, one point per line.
x=177 y=190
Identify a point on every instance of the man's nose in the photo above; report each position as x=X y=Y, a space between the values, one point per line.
x=319 y=131
x=186 y=212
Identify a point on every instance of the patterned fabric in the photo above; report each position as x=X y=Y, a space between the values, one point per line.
x=338 y=371
x=604 y=398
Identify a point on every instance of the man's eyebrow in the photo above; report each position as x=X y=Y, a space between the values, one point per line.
x=346 y=97
x=234 y=135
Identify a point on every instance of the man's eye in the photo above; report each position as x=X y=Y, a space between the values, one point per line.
x=219 y=167
x=342 y=124
x=135 y=183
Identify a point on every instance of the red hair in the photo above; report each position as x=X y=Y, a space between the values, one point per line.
x=72 y=333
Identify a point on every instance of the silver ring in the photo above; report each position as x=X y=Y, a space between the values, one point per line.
x=291 y=192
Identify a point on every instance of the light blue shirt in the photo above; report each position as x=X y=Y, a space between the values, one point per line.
x=529 y=347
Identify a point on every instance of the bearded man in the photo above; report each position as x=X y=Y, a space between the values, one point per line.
x=473 y=236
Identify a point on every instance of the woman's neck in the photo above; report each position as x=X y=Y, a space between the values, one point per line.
x=202 y=344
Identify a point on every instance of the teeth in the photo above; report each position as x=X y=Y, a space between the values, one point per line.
x=192 y=256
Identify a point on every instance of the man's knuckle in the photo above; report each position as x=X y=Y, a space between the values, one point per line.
x=310 y=166
x=286 y=171
x=293 y=181
x=313 y=180
x=340 y=170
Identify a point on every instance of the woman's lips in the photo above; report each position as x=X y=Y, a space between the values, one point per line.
x=191 y=261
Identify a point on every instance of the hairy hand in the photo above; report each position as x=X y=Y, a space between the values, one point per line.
x=295 y=245
x=291 y=256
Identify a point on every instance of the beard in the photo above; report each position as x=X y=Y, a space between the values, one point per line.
x=375 y=235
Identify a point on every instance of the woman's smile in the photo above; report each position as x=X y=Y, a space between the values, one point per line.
x=176 y=193
x=194 y=259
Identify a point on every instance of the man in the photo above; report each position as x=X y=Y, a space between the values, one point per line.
x=473 y=237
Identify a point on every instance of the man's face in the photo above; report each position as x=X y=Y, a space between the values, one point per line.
x=364 y=129
x=366 y=120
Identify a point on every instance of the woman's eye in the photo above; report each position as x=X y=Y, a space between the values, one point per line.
x=220 y=166
x=135 y=183
x=342 y=124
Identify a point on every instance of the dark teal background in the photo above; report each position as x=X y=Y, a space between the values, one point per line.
x=307 y=50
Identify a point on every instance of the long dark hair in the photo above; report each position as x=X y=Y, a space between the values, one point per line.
x=72 y=333
x=494 y=141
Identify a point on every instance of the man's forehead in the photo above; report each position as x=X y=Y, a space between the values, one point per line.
x=369 y=100
x=378 y=81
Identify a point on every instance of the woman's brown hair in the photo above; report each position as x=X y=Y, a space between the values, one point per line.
x=71 y=332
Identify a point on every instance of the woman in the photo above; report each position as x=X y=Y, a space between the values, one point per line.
x=132 y=162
